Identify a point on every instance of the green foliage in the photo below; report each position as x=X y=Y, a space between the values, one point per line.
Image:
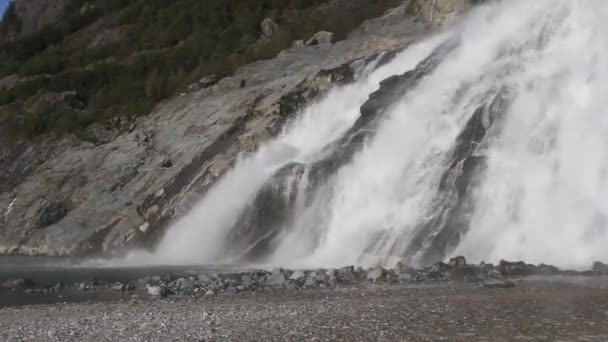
x=164 y=45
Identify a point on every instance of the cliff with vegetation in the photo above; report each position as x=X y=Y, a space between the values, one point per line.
x=119 y=114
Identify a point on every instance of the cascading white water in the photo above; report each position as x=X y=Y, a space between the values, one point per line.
x=198 y=236
x=543 y=196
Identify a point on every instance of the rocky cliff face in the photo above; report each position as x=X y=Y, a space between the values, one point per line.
x=36 y=14
x=65 y=197
x=436 y=12
x=131 y=179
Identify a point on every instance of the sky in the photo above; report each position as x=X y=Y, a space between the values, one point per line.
x=3 y=4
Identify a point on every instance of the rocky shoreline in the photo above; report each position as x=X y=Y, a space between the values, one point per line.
x=546 y=311
x=193 y=283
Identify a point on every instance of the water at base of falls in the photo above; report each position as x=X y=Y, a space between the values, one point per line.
x=494 y=145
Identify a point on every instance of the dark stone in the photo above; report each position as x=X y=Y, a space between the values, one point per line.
x=543 y=269
x=458 y=261
x=52 y=214
x=166 y=163
x=516 y=269
x=376 y=274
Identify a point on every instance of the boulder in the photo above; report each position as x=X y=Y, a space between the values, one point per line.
x=311 y=279
x=346 y=274
x=298 y=44
x=277 y=278
x=375 y=274
x=321 y=38
x=156 y=291
x=269 y=28
x=458 y=261
x=208 y=81
x=297 y=276
x=516 y=269
x=185 y=284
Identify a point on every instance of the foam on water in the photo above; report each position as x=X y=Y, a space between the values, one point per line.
x=543 y=196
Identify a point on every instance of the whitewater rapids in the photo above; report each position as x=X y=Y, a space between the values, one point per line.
x=541 y=196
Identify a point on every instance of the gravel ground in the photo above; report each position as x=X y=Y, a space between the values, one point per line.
x=547 y=312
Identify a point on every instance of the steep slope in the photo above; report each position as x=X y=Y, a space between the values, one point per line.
x=121 y=189
x=65 y=65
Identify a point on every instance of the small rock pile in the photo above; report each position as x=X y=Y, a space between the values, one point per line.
x=455 y=270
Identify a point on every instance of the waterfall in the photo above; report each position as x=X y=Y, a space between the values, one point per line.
x=489 y=139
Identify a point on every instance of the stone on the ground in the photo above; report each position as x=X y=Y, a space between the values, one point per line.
x=458 y=261
x=277 y=278
x=311 y=279
x=209 y=292
x=269 y=28
x=321 y=38
x=375 y=274
x=297 y=275
x=516 y=269
x=156 y=291
x=186 y=284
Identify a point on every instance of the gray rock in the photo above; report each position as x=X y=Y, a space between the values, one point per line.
x=156 y=291
x=321 y=38
x=210 y=292
x=298 y=44
x=346 y=274
x=311 y=279
x=208 y=81
x=119 y=287
x=269 y=28
x=544 y=269
x=516 y=269
x=204 y=279
x=277 y=278
x=297 y=275
x=498 y=284
x=331 y=273
x=194 y=87
x=458 y=261
x=186 y=284
x=246 y=279
x=376 y=274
